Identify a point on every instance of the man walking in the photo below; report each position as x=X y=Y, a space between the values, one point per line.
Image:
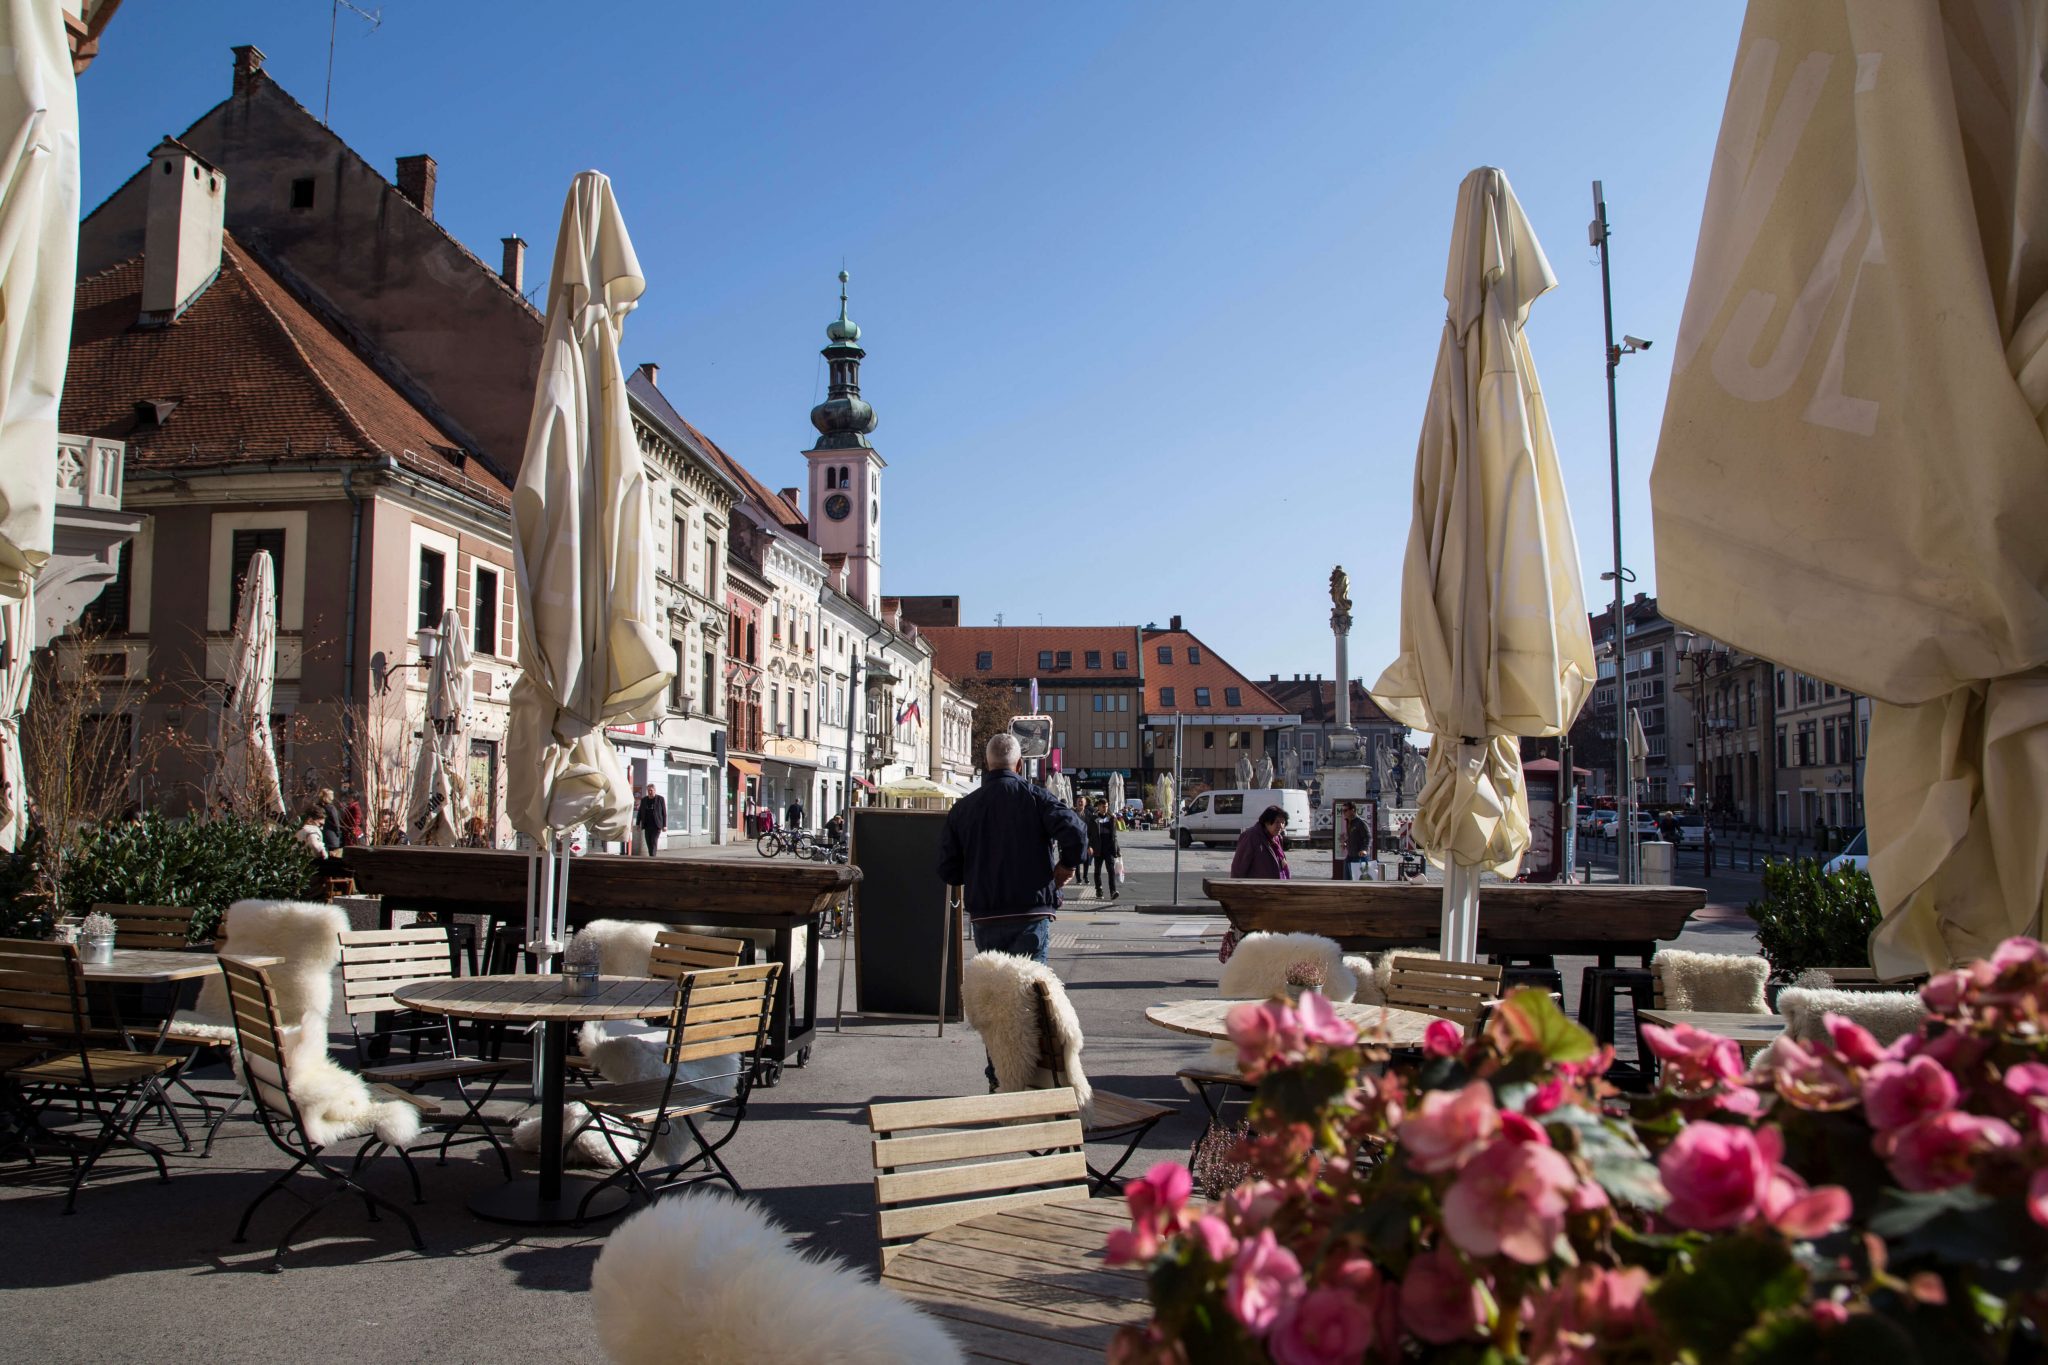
x=651 y=818
x=795 y=814
x=1104 y=846
x=999 y=843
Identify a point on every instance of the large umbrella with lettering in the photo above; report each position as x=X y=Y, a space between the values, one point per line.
x=38 y=269
x=582 y=546
x=1852 y=474
x=1494 y=639
x=245 y=770
x=438 y=808
x=17 y=643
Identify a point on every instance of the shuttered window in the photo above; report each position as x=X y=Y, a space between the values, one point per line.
x=245 y=546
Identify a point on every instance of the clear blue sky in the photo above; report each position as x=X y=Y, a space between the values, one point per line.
x=1151 y=293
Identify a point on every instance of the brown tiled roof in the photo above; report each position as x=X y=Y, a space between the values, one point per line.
x=1641 y=608
x=1315 y=700
x=1014 y=650
x=1212 y=672
x=255 y=375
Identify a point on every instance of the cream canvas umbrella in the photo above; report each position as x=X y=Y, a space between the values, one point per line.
x=245 y=773
x=582 y=548
x=1852 y=474
x=1116 y=791
x=1494 y=639
x=38 y=266
x=1244 y=770
x=17 y=645
x=438 y=809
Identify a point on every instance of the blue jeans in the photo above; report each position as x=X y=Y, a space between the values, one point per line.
x=1030 y=938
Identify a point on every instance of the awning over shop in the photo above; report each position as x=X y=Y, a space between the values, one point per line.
x=863 y=783
x=747 y=767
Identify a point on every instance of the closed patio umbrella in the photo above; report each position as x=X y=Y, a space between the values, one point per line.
x=245 y=771
x=582 y=548
x=1494 y=639
x=17 y=643
x=1852 y=474
x=38 y=269
x=438 y=810
x=1116 y=791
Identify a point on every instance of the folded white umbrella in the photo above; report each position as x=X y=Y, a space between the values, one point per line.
x=582 y=540
x=38 y=269
x=1852 y=476
x=245 y=775
x=438 y=809
x=17 y=643
x=1494 y=639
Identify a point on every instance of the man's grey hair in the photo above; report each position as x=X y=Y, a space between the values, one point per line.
x=1003 y=751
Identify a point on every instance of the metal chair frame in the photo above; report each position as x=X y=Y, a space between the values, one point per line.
x=1142 y=1118
x=167 y=928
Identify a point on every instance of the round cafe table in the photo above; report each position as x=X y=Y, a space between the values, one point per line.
x=1204 y=1019
x=551 y=1200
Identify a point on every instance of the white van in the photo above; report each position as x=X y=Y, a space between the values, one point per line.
x=1218 y=817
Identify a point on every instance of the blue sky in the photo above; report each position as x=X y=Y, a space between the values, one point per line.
x=1151 y=293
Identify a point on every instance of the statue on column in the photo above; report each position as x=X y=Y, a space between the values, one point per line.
x=1340 y=600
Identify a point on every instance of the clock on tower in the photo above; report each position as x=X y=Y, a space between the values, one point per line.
x=846 y=471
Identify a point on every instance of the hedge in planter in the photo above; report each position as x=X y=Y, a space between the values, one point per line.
x=1811 y=918
x=206 y=865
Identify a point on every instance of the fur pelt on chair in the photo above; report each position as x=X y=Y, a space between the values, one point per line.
x=1887 y=1015
x=998 y=993
x=1719 y=983
x=624 y=946
x=1259 y=966
x=334 y=1103
x=705 y=1279
x=306 y=935
x=1361 y=969
x=1378 y=972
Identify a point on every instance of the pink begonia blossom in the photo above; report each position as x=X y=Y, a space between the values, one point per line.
x=1590 y=1312
x=1510 y=1201
x=1322 y=1327
x=1439 y=1302
x=1898 y=1093
x=1740 y=1100
x=2019 y=952
x=1544 y=1098
x=1718 y=1175
x=1157 y=1201
x=1443 y=1039
x=1521 y=1128
x=1253 y=1204
x=1942 y=1149
x=1853 y=1040
x=1588 y=1197
x=2028 y=1080
x=1322 y=1024
x=1449 y=1126
x=1944 y=991
x=1828 y=1314
x=2037 y=1196
x=1265 y=1279
x=1810 y=1079
x=1699 y=1058
x=1214 y=1238
x=1263 y=1031
x=1789 y=1205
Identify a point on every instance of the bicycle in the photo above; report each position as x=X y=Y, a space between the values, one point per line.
x=784 y=841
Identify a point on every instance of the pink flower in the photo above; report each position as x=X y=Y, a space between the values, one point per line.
x=1942 y=1149
x=1544 y=1098
x=1210 y=1234
x=2028 y=1080
x=2037 y=1197
x=1321 y=1024
x=1511 y=1201
x=1853 y=1041
x=1589 y=1316
x=1443 y=1039
x=1944 y=991
x=1898 y=1093
x=2020 y=952
x=1439 y=1302
x=1799 y=1212
x=1322 y=1327
x=1827 y=1314
x=1449 y=1126
x=1717 y=1174
x=1699 y=1058
x=1265 y=1280
x=1521 y=1128
x=1256 y=1029
x=1739 y=1100
x=1588 y=1197
x=1253 y=1204
x=1157 y=1201
x=1810 y=1080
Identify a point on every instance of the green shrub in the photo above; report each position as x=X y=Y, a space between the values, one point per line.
x=205 y=865
x=25 y=911
x=1810 y=918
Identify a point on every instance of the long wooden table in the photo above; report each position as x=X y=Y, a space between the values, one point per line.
x=1750 y=1032
x=1029 y=1286
x=781 y=898
x=1519 y=918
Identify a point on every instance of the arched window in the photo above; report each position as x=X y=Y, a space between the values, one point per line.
x=831 y=478
x=845 y=477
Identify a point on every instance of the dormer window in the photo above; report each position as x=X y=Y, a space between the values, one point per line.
x=302 y=193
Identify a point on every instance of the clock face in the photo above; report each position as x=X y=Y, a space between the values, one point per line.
x=838 y=506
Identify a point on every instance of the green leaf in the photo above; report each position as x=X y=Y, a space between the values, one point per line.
x=1712 y=1303
x=1959 y=1225
x=1619 y=1162
x=1793 y=1338
x=1532 y=1018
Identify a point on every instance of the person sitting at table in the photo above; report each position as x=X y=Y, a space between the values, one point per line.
x=1261 y=849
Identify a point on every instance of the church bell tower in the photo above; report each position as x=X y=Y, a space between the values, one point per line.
x=846 y=472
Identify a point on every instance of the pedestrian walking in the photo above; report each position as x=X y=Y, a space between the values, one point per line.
x=795 y=814
x=1358 y=842
x=330 y=822
x=1089 y=821
x=1262 y=849
x=1106 y=847
x=650 y=818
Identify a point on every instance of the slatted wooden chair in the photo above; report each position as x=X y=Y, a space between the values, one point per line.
x=1111 y=1117
x=676 y=953
x=266 y=1069
x=164 y=928
x=167 y=928
x=42 y=995
x=374 y=962
x=1462 y=992
x=941 y=1162
x=718 y=1027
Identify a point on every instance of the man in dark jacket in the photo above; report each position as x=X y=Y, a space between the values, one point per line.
x=999 y=844
x=1105 y=847
x=651 y=816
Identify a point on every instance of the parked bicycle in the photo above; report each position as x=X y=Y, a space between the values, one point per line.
x=797 y=841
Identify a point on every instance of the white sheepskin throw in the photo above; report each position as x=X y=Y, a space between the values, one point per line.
x=1362 y=970
x=306 y=935
x=1718 y=983
x=1383 y=973
x=624 y=946
x=1887 y=1015
x=708 y=1279
x=1258 y=968
x=334 y=1103
x=998 y=992
x=585 y=1149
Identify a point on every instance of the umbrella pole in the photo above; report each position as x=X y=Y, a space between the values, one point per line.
x=1461 y=912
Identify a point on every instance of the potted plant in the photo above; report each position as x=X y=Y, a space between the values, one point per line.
x=96 y=938
x=1809 y=917
x=1303 y=976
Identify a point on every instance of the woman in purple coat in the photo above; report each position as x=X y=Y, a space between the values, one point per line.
x=1261 y=850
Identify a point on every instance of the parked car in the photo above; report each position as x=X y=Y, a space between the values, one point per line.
x=1598 y=824
x=1692 y=831
x=1218 y=817
x=1855 y=857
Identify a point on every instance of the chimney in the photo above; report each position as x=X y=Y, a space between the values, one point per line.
x=248 y=61
x=513 y=272
x=1173 y=623
x=652 y=371
x=788 y=495
x=181 y=230
x=416 y=181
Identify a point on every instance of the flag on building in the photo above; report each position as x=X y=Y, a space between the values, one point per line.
x=910 y=712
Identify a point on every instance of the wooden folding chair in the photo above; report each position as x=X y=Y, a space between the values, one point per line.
x=941 y=1162
x=42 y=994
x=375 y=962
x=1111 y=1117
x=1462 y=992
x=266 y=1068
x=720 y=1018
x=164 y=928
x=677 y=952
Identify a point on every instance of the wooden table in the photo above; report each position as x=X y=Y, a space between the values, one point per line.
x=780 y=897
x=1028 y=1286
x=1751 y=1032
x=1204 y=1019
x=158 y=966
x=554 y=1198
x=1526 y=919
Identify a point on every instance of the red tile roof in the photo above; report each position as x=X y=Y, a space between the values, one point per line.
x=254 y=375
x=1014 y=651
x=1184 y=678
x=784 y=512
x=1315 y=700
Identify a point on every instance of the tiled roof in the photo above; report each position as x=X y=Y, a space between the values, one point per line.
x=1315 y=700
x=1014 y=650
x=781 y=509
x=253 y=375
x=1212 y=672
x=1641 y=609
